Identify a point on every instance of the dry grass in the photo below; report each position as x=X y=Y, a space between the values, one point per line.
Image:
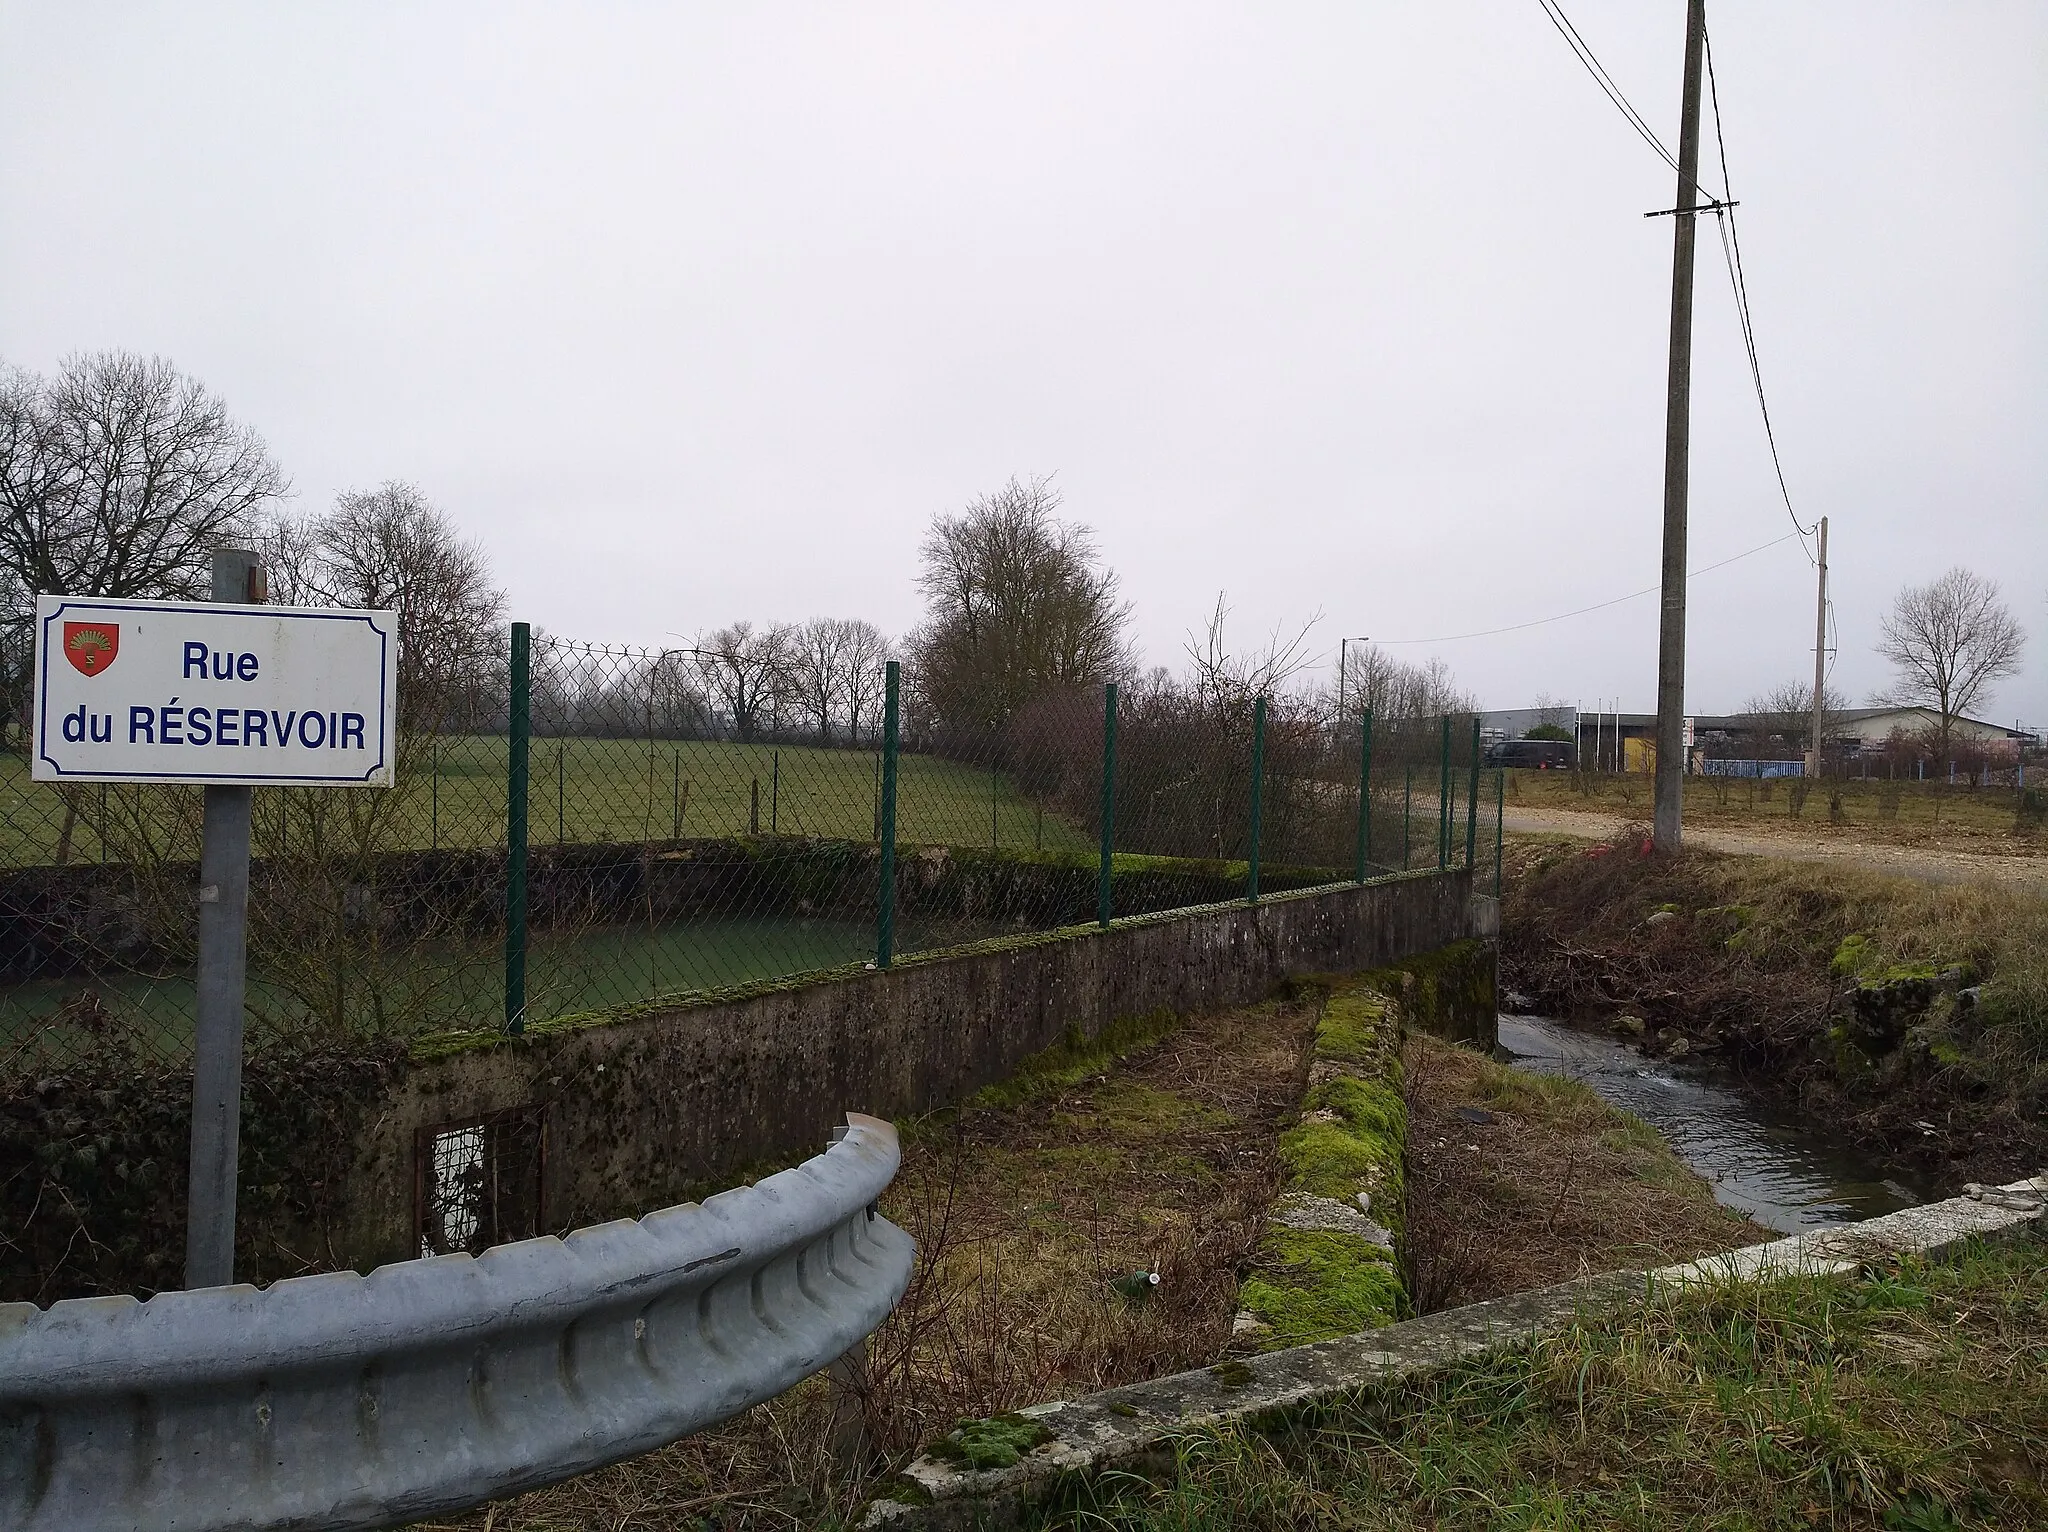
x=1557 y=1185
x=1026 y=1205
x=1903 y=813
x=1747 y=967
x=1908 y=1398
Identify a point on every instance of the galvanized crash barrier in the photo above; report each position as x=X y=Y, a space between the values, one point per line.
x=344 y=1401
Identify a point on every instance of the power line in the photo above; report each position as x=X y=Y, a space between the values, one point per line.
x=1731 y=253
x=1723 y=208
x=1648 y=590
x=1605 y=81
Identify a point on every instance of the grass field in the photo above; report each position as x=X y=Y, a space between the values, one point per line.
x=580 y=790
x=1904 y=810
x=569 y=975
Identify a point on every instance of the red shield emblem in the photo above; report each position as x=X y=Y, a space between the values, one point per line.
x=91 y=646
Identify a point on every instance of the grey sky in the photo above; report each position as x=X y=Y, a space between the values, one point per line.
x=693 y=312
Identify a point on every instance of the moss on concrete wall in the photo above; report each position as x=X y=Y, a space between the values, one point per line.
x=1450 y=992
x=1327 y=1266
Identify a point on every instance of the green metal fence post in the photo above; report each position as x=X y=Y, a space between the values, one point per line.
x=885 y=914
x=1363 y=852
x=1258 y=795
x=1443 y=799
x=1500 y=815
x=1472 y=801
x=1104 y=886
x=520 y=732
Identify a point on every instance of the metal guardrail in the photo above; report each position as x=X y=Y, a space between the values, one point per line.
x=344 y=1401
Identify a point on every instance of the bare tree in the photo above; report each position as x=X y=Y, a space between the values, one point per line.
x=867 y=656
x=746 y=669
x=1228 y=682
x=1017 y=605
x=119 y=476
x=392 y=548
x=1397 y=690
x=1950 y=641
x=818 y=678
x=1787 y=711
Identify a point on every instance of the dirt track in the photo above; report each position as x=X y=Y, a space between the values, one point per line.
x=1924 y=864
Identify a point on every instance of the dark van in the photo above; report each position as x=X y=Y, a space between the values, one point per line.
x=1534 y=754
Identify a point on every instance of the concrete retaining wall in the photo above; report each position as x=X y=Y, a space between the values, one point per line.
x=643 y=1112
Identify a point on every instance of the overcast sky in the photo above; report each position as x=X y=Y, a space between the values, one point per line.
x=695 y=312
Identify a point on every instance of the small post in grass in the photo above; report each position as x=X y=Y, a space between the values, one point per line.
x=1472 y=800
x=1362 y=853
x=520 y=739
x=1103 y=881
x=885 y=911
x=1258 y=795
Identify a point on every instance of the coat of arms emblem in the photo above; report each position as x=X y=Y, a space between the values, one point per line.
x=91 y=646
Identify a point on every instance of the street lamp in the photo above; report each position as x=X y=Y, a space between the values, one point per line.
x=1343 y=645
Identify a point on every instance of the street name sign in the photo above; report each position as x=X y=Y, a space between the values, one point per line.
x=214 y=693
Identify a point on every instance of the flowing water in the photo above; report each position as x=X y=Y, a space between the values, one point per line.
x=1762 y=1161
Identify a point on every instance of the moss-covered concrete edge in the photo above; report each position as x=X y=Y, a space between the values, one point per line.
x=1451 y=993
x=1328 y=1264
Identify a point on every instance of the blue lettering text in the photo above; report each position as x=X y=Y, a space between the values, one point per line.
x=170 y=724
x=200 y=722
x=141 y=725
x=352 y=729
x=219 y=664
x=255 y=727
x=312 y=730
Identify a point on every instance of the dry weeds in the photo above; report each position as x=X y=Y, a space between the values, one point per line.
x=1558 y=1184
x=1026 y=1205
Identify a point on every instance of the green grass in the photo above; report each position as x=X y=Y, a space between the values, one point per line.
x=566 y=975
x=1911 y=1398
x=581 y=791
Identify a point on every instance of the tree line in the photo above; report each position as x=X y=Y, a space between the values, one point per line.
x=119 y=475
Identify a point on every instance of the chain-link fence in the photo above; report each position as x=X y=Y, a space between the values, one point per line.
x=677 y=838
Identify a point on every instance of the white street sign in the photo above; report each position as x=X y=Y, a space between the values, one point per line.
x=174 y=691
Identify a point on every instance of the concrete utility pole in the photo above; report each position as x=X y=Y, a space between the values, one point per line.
x=1677 y=443
x=1820 y=655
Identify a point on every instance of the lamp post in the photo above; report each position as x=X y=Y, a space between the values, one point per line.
x=1343 y=646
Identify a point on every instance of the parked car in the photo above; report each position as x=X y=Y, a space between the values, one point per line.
x=1533 y=754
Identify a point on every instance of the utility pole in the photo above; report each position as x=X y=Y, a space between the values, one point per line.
x=1677 y=444
x=1820 y=654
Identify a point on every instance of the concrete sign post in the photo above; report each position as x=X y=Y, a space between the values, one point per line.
x=229 y=696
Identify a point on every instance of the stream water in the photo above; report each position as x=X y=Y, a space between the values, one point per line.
x=1760 y=1160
